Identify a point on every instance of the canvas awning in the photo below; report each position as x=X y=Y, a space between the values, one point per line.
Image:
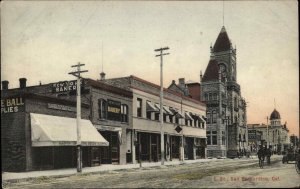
x=47 y=130
x=176 y=112
x=188 y=116
x=200 y=118
x=167 y=110
x=158 y=107
x=150 y=107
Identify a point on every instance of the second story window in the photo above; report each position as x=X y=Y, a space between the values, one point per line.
x=208 y=118
x=102 y=109
x=124 y=113
x=139 y=107
x=214 y=117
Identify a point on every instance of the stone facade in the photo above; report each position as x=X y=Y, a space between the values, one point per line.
x=226 y=108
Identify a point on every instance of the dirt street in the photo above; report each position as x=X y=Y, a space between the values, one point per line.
x=224 y=173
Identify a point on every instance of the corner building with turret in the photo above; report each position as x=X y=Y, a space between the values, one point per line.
x=226 y=108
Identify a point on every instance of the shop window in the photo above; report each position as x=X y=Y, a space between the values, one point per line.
x=214 y=117
x=214 y=138
x=102 y=109
x=139 y=107
x=124 y=113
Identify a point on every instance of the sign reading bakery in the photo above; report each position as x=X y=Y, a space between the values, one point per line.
x=113 y=110
x=12 y=105
x=65 y=86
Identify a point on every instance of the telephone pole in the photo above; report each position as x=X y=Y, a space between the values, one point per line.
x=162 y=141
x=78 y=111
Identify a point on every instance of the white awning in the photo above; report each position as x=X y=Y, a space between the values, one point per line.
x=201 y=119
x=47 y=130
x=187 y=116
x=158 y=107
x=168 y=110
x=150 y=107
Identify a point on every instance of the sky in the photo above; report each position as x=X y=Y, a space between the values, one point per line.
x=40 y=40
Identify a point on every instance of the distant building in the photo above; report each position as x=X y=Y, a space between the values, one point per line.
x=226 y=108
x=294 y=141
x=274 y=135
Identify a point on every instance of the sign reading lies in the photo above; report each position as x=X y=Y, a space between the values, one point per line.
x=65 y=86
x=113 y=110
x=12 y=105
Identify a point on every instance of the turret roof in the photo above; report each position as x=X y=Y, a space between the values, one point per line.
x=222 y=43
x=211 y=72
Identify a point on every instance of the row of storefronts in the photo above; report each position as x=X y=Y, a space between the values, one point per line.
x=119 y=124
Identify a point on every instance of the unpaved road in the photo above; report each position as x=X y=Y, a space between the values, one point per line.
x=217 y=174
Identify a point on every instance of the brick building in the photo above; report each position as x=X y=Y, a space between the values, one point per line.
x=31 y=141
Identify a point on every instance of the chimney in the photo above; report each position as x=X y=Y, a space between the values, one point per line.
x=102 y=76
x=181 y=82
x=22 y=83
x=5 y=85
x=173 y=82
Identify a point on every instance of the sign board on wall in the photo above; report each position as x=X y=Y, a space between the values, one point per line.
x=65 y=86
x=12 y=105
x=113 y=110
x=61 y=107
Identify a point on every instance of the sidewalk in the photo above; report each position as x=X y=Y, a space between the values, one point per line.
x=15 y=177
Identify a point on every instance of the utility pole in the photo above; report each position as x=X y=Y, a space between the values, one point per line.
x=78 y=111
x=267 y=132
x=162 y=142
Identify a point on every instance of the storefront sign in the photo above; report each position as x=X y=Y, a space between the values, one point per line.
x=113 y=110
x=61 y=107
x=65 y=86
x=12 y=105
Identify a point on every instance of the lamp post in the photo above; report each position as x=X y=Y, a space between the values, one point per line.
x=162 y=142
x=78 y=112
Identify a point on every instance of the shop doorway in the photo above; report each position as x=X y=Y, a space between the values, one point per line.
x=188 y=148
x=110 y=154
